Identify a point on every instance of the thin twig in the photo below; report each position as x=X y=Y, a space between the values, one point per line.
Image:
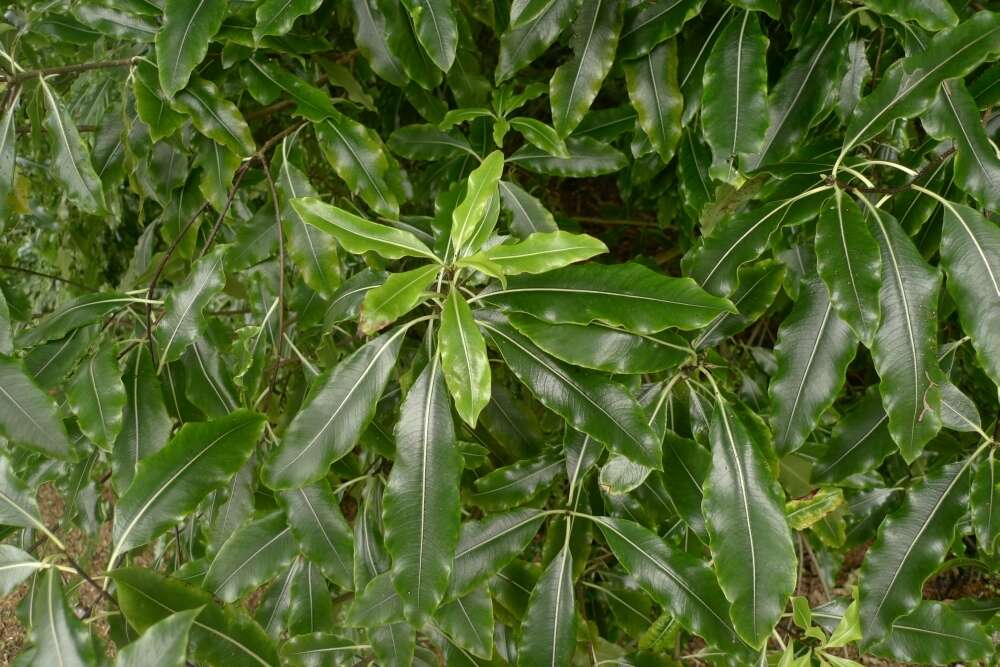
x=67 y=69
x=930 y=166
x=279 y=345
x=21 y=269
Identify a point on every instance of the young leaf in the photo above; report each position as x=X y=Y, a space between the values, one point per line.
x=463 y=356
x=813 y=351
x=656 y=96
x=71 y=158
x=469 y=216
x=97 y=397
x=251 y=556
x=749 y=537
x=734 y=100
x=422 y=505
x=171 y=483
x=588 y=402
x=849 y=262
x=629 y=296
x=575 y=84
x=321 y=531
x=905 y=346
x=27 y=415
x=182 y=42
x=398 y=295
x=911 y=543
x=331 y=421
x=538 y=253
x=358 y=235
x=548 y=631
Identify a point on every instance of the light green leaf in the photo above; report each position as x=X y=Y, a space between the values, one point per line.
x=183 y=319
x=588 y=402
x=276 y=17
x=321 y=531
x=548 y=631
x=8 y=153
x=469 y=216
x=97 y=397
x=422 y=504
x=182 y=42
x=163 y=644
x=116 y=23
x=358 y=235
x=656 y=96
x=540 y=135
x=805 y=512
x=813 y=351
x=171 y=483
x=331 y=421
x=398 y=295
x=905 y=346
x=849 y=262
x=70 y=156
x=575 y=84
x=463 y=355
x=253 y=554
x=749 y=537
x=629 y=296
x=911 y=543
x=734 y=101
x=17 y=502
x=317 y=649
x=538 y=253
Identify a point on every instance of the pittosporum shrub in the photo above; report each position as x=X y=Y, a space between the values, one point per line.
x=528 y=332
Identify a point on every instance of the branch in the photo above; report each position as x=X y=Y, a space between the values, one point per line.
x=68 y=69
x=21 y=269
x=930 y=166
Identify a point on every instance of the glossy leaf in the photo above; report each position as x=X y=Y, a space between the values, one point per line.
x=321 y=531
x=985 y=502
x=276 y=17
x=214 y=116
x=398 y=295
x=60 y=638
x=648 y=25
x=548 y=632
x=182 y=42
x=463 y=358
x=656 y=96
x=526 y=40
x=163 y=644
x=70 y=156
x=538 y=253
x=251 y=556
x=27 y=416
x=486 y=546
x=97 y=397
x=471 y=214
x=146 y=425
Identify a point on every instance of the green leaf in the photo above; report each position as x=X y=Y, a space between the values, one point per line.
x=685 y=465
x=163 y=644
x=370 y=34
x=311 y=102
x=734 y=101
x=588 y=402
x=930 y=14
x=358 y=235
x=629 y=296
x=17 y=502
x=378 y=604
x=675 y=579
x=526 y=40
x=749 y=537
x=152 y=104
x=315 y=254
x=970 y=255
x=911 y=543
x=422 y=504
x=276 y=17
x=758 y=285
x=538 y=253
x=28 y=416
x=486 y=546
x=183 y=319
x=218 y=166
x=321 y=531
x=426 y=142
x=171 y=483
x=8 y=154
x=769 y=7
x=471 y=214
x=813 y=351
x=182 y=42
x=146 y=425
x=548 y=631
x=575 y=84
x=656 y=96
x=334 y=416
x=515 y=484
x=603 y=348
x=984 y=502
x=318 y=648
x=802 y=93
x=463 y=356
x=540 y=135
x=214 y=116
x=358 y=156
x=527 y=214
x=220 y=637
x=649 y=24
x=15 y=565
x=910 y=84
x=805 y=512
x=905 y=346
x=75 y=314
x=70 y=156
x=859 y=442
x=586 y=157
x=468 y=622
x=59 y=637
x=954 y=115
x=958 y=412
x=436 y=27
x=253 y=554
x=97 y=397
x=933 y=634
x=118 y=24
x=849 y=262
x=398 y=295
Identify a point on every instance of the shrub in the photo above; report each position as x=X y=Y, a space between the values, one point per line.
x=542 y=332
